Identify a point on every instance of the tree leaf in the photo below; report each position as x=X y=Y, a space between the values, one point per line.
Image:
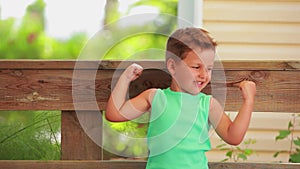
x=229 y=154
x=221 y=145
x=297 y=142
x=290 y=125
x=242 y=156
x=225 y=159
x=239 y=149
x=276 y=154
x=282 y=134
x=248 y=151
x=295 y=158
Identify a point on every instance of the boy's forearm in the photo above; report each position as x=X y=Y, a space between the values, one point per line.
x=118 y=95
x=117 y=98
x=238 y=128
x=241 y=123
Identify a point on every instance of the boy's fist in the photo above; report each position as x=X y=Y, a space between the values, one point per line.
x=133 y=71
x=248 y=89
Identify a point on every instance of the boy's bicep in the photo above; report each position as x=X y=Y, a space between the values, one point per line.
x=138 y=105
x=216 y=113
x=219 y=119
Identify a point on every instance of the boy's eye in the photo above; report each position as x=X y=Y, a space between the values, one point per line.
x=196 y=67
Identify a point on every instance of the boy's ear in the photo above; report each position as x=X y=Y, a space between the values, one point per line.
x=171 y=66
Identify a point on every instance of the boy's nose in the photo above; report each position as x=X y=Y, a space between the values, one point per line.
x=202 y=74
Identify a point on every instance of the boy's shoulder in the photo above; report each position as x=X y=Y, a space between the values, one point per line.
x=149 y=93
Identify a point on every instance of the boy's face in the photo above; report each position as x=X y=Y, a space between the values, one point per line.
x=193 y=73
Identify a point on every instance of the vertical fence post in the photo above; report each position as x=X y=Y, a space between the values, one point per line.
x=75 y=143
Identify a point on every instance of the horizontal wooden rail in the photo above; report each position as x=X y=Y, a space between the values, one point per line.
x=159 y=64
x=86 y=85
x=83 y=87
x=73 y=164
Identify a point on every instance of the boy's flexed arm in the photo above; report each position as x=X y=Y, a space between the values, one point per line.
x=234 y=132
x=120 y=109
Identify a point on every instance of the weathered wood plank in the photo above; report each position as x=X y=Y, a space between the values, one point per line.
x=71 y=164
x=276 y=90
x=159 y=64
x=53 y=88
x=75 y=143
x=75 y=64
x=49 y=85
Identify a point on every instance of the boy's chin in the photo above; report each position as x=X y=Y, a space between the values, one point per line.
x=194 y=92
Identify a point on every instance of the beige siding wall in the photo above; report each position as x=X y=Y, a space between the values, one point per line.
x=264 y=128
x=257 y=29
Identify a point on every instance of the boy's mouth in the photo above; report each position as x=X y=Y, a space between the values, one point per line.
x=199 y=84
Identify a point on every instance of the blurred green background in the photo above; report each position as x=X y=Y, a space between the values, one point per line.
x=36 y=135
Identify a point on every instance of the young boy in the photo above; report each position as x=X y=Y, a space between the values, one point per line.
x=181 y=114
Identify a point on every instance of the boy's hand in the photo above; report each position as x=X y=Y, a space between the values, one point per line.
x=133 y=71
x=248 y=89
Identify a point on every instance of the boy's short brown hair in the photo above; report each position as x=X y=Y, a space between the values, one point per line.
x=187 y=39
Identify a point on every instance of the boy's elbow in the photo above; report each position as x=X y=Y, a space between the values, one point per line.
x=110 y=117
x=113 y=117
x=235 y=141
x=109 y=113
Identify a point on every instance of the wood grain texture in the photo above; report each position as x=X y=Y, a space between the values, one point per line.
x=117 y=64
x=72 y=164
x=49 y=86
x=75 y=143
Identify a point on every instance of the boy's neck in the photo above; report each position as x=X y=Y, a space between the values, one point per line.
x=174 y=86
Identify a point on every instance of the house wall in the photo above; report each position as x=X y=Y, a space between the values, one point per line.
x=256 y=30
x=264 y=128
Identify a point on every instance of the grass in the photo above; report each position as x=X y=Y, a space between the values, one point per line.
x=30 y=135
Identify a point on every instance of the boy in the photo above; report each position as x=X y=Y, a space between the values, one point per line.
x=181 y=114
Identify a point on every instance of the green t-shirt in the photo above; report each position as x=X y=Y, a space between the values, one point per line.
x=178 y=131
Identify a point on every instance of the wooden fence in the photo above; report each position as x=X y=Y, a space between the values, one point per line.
x=55 y=85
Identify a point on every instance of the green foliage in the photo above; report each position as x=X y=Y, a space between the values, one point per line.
x=294 y=151
x=150 y=46
x=63 y=49
x=164 y=6
x=32 y=135
x=164 y=22
x=29 y=135
x=126 y=42
x=29 y=40
x=236 y=153
x=283 y=134
x=111 y=11
x=129 y=140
